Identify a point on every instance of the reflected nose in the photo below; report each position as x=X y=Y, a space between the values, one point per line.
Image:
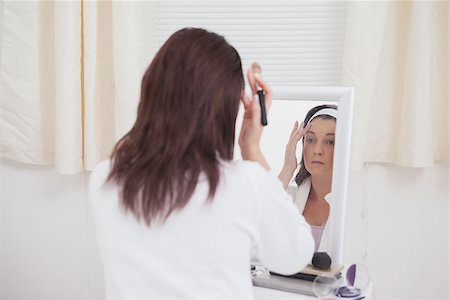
x=318 y=149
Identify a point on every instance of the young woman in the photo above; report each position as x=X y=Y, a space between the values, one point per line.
x=316 y=167
x=175 y=216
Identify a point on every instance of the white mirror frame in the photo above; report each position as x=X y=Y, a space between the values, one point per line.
x=344 y=98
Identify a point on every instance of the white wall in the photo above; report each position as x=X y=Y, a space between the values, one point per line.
x=398 y=216
x=398 y=225
x=47 y=243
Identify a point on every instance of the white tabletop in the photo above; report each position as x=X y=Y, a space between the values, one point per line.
x=261 y=293
x=271 y=294
x=268 y=286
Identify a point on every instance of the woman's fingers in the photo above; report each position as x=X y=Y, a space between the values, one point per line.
x=294 y=130
x=256 y=112
x=245 y=100
x=252 y=110
x=252 y=104
x=298 y=134
x=251 y=81
x=267 y=90
x=302 y=131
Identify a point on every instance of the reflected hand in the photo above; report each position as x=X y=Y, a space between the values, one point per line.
x=290 y=157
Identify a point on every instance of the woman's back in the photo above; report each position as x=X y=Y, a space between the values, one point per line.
x=202 y=251
x=175 y=217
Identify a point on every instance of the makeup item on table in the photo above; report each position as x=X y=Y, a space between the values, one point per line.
x=354 y=287
x=311 y=271
x=257 y=71
x=349 y=290
x=320 y=264
x=321 y=260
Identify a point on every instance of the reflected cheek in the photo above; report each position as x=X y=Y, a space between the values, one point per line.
x=314 y=168
x=307 y=167
x=330 y=163
x=307 y=157
x=331 y=159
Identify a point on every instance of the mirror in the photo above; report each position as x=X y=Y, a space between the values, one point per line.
x=292 y=103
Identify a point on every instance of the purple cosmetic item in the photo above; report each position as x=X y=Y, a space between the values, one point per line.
x=349 y=291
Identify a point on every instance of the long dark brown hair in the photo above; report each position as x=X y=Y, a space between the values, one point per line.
x=185 y=125
x=303 y=173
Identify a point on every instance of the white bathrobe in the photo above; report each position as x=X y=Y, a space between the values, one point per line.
x=300 y=195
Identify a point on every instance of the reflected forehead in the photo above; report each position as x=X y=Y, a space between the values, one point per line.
x=322 y=126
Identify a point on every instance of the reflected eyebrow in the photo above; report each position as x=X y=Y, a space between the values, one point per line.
x=312 y=132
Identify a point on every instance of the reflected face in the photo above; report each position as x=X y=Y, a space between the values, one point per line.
x=318 y=147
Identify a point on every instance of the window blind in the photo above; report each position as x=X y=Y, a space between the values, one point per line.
x=296 y=42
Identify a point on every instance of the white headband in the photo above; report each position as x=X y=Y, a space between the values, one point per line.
x=324 y=111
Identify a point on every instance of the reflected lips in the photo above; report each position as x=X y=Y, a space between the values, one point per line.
x=317 y=162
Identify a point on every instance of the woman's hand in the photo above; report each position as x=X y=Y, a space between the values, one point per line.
x=290 y=157
x=251 y=130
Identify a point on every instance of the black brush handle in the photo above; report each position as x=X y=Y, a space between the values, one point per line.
x=262 y=103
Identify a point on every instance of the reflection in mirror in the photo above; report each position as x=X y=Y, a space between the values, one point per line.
x=312 y=170
x=324 y=151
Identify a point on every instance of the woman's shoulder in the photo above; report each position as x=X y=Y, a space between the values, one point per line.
x=101 y=167
x=251 y=170
x=100 y=173
x=245 y=164
x=252 y=174
x=243 y=173
x=306 y=185
x=244 y=168
x=302 y=193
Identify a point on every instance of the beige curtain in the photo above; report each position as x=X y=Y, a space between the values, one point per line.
x=396 y=55
x=66 y=69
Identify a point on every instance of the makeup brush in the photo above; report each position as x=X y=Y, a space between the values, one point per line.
x=257 y=71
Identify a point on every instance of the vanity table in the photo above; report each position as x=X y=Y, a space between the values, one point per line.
x=271 y=294
x=268 y=287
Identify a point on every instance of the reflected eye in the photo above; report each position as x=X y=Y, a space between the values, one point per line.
x=330 y=142
x=309 y=140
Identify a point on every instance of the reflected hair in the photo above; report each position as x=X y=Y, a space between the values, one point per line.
x=185 y=125
x=303 y=173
